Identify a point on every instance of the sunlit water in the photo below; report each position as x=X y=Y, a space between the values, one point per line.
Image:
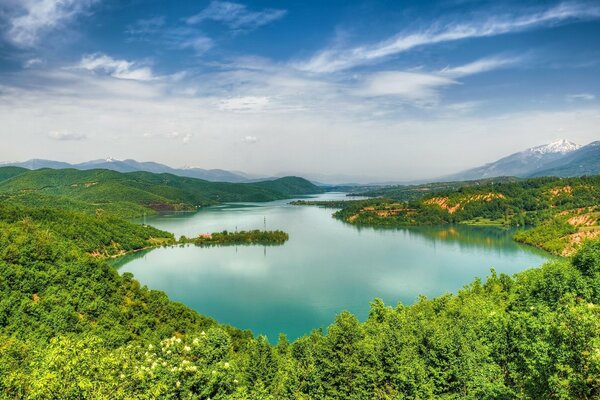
x=327 y=266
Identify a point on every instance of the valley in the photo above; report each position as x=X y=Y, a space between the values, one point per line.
x=60 y=227
x=299 y=200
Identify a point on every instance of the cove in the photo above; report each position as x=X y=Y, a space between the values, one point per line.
x=327 y=266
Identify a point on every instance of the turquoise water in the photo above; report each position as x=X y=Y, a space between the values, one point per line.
x=327 y=266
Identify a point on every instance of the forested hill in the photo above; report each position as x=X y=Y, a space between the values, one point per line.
x=561 y=213
x=9 y=172
x=106 y=188
x=414 y=192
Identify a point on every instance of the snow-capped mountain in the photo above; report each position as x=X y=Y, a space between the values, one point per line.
x=533 y=162
x=583 y=161
x=560 y=146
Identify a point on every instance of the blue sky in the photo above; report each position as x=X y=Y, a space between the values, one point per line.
x=365 y=89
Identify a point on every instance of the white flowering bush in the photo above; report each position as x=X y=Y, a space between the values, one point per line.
x=198 y=367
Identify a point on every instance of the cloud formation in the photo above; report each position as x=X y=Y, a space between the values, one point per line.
x=29 y=19
x=581 y=96
x=121 y=69
x=423 y=88
x=248 y=103
x=200 y=44
x=66 y=136
x=236 y=16
x=146 y=26
x=338 y=135
x=183 y=137
x=336 y=59
x=250 y=139
x=418 y=87
x=479 y=66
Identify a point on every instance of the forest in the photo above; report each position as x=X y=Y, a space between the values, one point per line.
x=136 y=194
x=558 y=214
x=72 y=327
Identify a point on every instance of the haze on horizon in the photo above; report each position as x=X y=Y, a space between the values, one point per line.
x=386 y=90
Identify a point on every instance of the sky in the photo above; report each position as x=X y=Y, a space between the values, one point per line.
x=338 y=90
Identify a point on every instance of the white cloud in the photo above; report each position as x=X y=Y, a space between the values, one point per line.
x=236 y=16
x=421 y=88
x=33 y=62
x=336 y=59
x=479 y=66
x=30 y=19
x=66 y=136
x=146 y=26
x=248 y=103
x=116 y=113
x=183 y=137
x=121 y=69
x=250 y=139
x=581 y=96
x=200 y=44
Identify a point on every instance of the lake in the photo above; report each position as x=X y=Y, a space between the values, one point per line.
x=327 y=265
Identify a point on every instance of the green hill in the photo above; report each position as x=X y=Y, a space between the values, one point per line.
x=9 y=172
x=158 y=192
x=414 y=192
x=101 y=235
x=561 y=213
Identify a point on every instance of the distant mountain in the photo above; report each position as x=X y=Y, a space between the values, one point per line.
x=213 y=175
x=37 y=164
x=583 y=161
x=561 y=158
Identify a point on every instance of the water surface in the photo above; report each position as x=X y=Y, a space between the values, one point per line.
x=327 y=266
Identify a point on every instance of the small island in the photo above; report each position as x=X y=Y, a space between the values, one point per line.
x=225 y=238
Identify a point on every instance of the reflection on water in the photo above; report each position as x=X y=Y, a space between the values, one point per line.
x=327 y=266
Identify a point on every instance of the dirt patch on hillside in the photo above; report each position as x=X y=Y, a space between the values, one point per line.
x=577 y=239
x=388 y=213
x=583 y=220
x=443 y=202
x=559 y=190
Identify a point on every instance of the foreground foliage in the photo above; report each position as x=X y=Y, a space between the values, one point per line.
x=101 y=234
x=71 y=327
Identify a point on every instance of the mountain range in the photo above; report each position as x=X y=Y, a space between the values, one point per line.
x=562 y=158
x=213 y=175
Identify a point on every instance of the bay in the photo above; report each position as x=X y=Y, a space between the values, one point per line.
x=326 y=266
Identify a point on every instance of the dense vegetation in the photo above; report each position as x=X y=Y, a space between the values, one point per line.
x=101 y=235
x=226 y=238
x=135 y=193
x=71 y=327
x=9 y=172
x=414 y=192
x=563 y=212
